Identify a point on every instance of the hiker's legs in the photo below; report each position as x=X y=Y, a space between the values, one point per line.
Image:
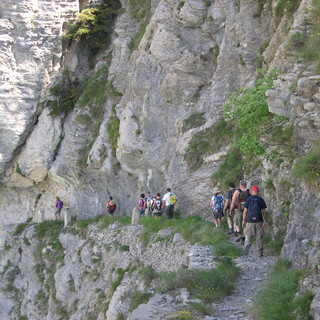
x=237 y=220
x=168 y=210
x=249 y=233
x=229 y=219
x=259 y=236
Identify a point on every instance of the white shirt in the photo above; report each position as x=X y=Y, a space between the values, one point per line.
x=166 y=198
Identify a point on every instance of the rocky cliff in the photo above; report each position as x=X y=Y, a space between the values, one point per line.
x=166 y=62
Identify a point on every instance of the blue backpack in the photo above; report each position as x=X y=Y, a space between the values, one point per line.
x=218 y=203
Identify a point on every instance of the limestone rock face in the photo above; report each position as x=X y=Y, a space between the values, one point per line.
x=96 y=271
x=192 y=54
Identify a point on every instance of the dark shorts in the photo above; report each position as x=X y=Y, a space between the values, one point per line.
x=168 y=210
x=111 y=211
x=218 y=215
x=57 y=211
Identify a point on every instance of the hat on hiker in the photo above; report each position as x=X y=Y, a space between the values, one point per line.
x=216 y=190
x=243 y=183
x=255 y=188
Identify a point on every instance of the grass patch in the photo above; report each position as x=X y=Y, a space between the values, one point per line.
x=19 y=229
x=286 y=7
x=231 y=169
x=49 y=229
x=138 y=298
x=308 y=167
x=207 y=142
x=276 y=301
x=120 y=272
x=148 y=275
x=194 y=230
x=113 y=126
x=140 y=10
x=193 y=121
x=136 y=39
x=207 y=285
x=274 y=243
x=311 y=48
x=201 y=308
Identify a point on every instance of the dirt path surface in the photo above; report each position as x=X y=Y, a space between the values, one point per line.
x=238 y=305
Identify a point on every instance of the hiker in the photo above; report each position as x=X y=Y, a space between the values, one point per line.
x=148 y=200
x=141 y=204
x=157 y=206
x=237 y=207
x=216 y=203
x=57 y=208
x=111 y=206
x=170 y=200
x=227 y=204
x=254 y=220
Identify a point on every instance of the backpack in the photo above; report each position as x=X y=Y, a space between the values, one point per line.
x=157 y=204
x=218 y=203
x=149 y=201
x=173 y=199
x=242 y=199
x=112 y=207
x=254 y=211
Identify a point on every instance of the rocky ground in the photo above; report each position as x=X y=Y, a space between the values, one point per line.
x=237 y=306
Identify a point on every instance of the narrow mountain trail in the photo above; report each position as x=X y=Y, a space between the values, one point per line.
x=239 y=304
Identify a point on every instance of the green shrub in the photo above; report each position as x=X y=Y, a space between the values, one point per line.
x=94 y=25
x=206 y=141
x=124 y=247
x=247 y=110
x=276 y=300
x=193 y=121
x=65 y=95
x=308 y=167
x=120 y=272
x=148 y=274
x=19 y=229
x=18 y=171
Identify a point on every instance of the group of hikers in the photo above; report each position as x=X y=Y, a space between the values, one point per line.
x=151 y=204
x=245 y=210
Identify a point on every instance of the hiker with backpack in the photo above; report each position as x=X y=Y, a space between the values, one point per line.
x=148 y=200
x=57 y=208
x=254 y=220
x=237 y=207
x=170 y=200
x=227 y=204
x=141 y=204
x=111 y=206
x=216 y=203
x=157 y=206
